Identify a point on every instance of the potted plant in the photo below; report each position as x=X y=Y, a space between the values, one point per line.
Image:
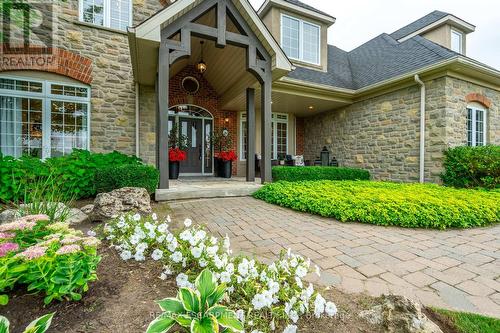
x=224 y=154
x=178 y=143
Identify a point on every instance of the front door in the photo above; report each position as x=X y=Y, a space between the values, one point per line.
x=192 y=128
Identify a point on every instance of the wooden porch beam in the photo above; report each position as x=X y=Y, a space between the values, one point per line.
x=250 y=127
x=266 y=119
x=221 y=24
x=162 y=118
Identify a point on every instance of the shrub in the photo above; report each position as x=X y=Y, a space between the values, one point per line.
x=134 y=175
x=73 y=174
x=46 y=257
x=289 y=173
x=267 y=294
x=384 y=203
x=472 y=167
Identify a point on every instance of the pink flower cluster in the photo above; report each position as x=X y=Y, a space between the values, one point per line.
x=7 y=235
x=24 y=223
x=33 y=252
x=8 y=247
x=68 y=249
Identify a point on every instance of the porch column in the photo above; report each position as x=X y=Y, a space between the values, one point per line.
x=265 y=164
x=162 y=119
x=250 y=135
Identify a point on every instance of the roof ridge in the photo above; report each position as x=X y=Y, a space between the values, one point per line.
x=423 y=41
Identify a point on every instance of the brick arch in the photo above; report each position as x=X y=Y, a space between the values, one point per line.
x=58 y=61
x=479 y=98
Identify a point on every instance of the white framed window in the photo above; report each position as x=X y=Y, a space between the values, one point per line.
x=279 y=136
x=300 y=40
x=115 y=14
x=456 y=41
x=43 y=118
x=476 y=126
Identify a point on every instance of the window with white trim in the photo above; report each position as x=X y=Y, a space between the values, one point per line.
x=476 y=126
x=279 y=136
x=42 y=118
x=456 y=41
x=115 y=14
x=300 y=39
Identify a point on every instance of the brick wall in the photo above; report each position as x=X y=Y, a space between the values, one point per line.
x=299 y=132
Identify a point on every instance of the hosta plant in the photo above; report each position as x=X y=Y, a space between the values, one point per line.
x=39 y=325
x=197 y=309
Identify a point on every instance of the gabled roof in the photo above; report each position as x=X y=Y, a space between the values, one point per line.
x=430 y=21
x=306 y=6
x=297 y=7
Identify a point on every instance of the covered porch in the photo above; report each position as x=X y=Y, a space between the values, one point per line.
x=241 y=60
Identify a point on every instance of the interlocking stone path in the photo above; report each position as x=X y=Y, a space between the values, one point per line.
x=457 y=269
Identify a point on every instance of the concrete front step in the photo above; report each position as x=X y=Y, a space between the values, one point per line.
x=199 y=190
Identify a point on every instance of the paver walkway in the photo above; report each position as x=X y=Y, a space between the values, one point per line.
x=457 y=269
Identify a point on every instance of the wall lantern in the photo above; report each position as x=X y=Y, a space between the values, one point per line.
x=201 y=66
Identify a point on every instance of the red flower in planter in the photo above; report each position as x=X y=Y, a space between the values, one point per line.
x=176 y=155
x=228 y=156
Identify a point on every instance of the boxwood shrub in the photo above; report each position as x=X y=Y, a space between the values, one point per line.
x=135 y=175
x=385 y=203
x=472 y=167
x=289 y=173
x=73 y=174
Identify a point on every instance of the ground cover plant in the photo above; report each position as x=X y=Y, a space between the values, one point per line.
x=292 y=174
x=263 y=296
x=46 y=257
x=470 y=167
x=386 y=203
x=73 y=174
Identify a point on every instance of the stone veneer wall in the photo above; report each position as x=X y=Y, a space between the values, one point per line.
x=113 y=91
x=381 y=134
x=206 y=98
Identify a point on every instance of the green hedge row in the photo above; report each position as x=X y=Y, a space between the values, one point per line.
x=134 y=175
x=292 y=174
x=470 y=167
x=385 y=203
x=73 y=174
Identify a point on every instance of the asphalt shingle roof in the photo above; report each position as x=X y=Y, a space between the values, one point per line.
x=306 y=6
x=419 y=24
x=377 y=60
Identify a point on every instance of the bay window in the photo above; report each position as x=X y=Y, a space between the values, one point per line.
x=42 y=118
x=300 y=39
x=476 y=126
x=115 y=14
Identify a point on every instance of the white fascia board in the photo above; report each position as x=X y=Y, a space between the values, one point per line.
x=454 y=21
x=280 y=3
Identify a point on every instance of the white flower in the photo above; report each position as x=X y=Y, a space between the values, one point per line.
x=154 y=216
x=317 y=271
x=230 y=290
x=149 y=226
x=230 y=268
x=301 y=271
x=212 y=250
x=162 y=228
x=273 y=286
x=139 y=256
x=167 y=270
x=176 y=257
x=272 y=326
x=243 y=267
x=184 y=263
x=173 y=245
x=160 y=238
x=256 y=331
x=169 y=237
x=213 y=240
x=91 y=233
x=168 y=219
x=157 y=254
x=126 y=255
x=330 y=309
x=121 y=223
x=319 y=306
x=299 y=282
x=225 y=277
x=141 y=247
x=258 y=301
x=182 y=280
x=293 y=262
x=186 y=235
x=290 y=329
x=187 y=223
x=227 y=243
x=134 y=239
x=196 y=252
x=240 y=315
x=163 y=276
x=200 y=235
x=294 y=316
x=136 y=217
x=202 y=262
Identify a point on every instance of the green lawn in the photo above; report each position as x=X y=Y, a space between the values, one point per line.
x=386 y=203
x=469 y=322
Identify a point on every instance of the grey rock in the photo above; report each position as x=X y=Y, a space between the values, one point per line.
x=76 y=216
x=9 y=215
x=111 y=204
x=399 y=314
x=87 y=209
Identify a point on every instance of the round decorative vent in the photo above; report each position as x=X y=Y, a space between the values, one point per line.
x=190 y=85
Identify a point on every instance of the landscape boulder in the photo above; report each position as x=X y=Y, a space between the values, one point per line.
x=9 y=215
x=111 y=204
x=399 y=314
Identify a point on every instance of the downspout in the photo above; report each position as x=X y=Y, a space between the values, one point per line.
x=422 y=128
x=137 y=120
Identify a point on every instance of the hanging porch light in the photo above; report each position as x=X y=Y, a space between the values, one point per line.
x=201 y=66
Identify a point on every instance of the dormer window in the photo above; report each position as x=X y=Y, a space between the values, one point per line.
x=300 y=39
x=456 y=41
x=114 y=14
